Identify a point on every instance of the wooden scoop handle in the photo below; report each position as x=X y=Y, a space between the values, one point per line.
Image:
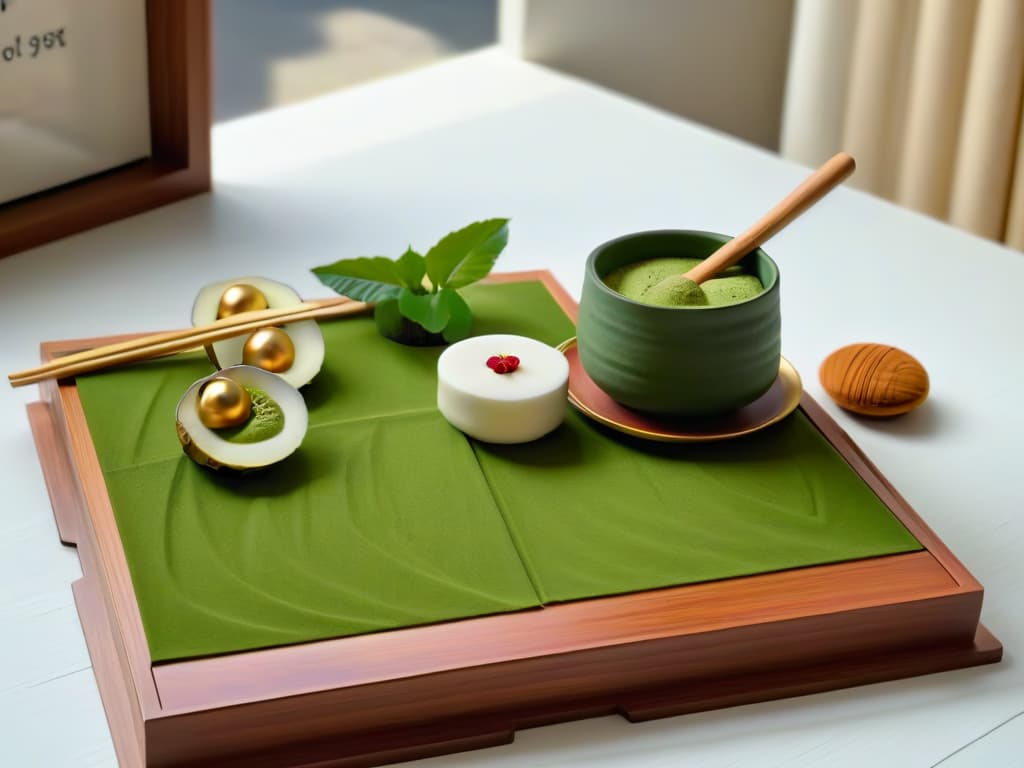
x=814 y=187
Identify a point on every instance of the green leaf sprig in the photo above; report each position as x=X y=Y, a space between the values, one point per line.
x=422 y=289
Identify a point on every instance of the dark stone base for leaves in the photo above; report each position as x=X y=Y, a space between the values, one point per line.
x=415 y=335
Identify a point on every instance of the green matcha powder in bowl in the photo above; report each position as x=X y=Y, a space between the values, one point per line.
x=634 y=281
x=679 y=361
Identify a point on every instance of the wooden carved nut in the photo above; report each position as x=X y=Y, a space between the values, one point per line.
x=874 y=379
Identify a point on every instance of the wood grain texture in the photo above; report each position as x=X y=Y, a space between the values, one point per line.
x=558 y=629
x=421 y=691
x=178 y=50
x=857 y=669
x=99 y=544
x=874 y=379
x=123 y=716
x=106 y=652
x=67 y=510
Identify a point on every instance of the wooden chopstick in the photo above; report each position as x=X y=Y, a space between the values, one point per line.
x=144 y=342
x=156 y=345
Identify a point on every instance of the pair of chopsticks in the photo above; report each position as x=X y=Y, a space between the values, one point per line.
x=159 y=344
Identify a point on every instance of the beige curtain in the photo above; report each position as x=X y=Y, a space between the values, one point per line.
x=928 y=95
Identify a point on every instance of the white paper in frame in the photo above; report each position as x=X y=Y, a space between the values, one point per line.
x=74 y=94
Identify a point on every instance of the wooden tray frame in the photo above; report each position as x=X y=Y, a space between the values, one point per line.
x=422 y=691
x=178 y=56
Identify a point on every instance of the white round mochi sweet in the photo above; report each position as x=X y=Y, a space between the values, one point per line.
x=495 y=407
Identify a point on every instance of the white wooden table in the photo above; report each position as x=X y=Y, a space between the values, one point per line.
x=401 y=161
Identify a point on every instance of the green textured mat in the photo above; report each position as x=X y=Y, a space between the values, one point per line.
x=389 y=517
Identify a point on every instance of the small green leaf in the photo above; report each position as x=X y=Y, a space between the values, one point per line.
x=429 y=310
x=411 y=267
x=460 y=322
x=466 y=255
x=388 y=318
x=364 y=279
x=380 y=269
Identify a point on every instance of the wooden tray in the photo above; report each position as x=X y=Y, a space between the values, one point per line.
x=446 y=687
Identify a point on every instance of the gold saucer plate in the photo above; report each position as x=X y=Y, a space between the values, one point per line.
x=781 y=399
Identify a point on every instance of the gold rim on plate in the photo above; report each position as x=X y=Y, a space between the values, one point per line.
x=782 y=398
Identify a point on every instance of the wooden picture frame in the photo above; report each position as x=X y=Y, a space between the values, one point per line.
x=178 y=52
x=439 y=688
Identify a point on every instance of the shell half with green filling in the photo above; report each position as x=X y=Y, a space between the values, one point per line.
x=275 y=429
x=305 y=334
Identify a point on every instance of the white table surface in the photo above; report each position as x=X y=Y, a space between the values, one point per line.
x=370 y=170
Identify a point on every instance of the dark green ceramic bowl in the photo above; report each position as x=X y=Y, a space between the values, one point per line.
x=678 y=361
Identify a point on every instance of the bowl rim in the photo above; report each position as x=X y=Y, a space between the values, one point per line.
x=591 y=270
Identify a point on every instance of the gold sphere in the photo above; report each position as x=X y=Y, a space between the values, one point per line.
x=223 y=402
x=240 y=297
x=270 y=349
